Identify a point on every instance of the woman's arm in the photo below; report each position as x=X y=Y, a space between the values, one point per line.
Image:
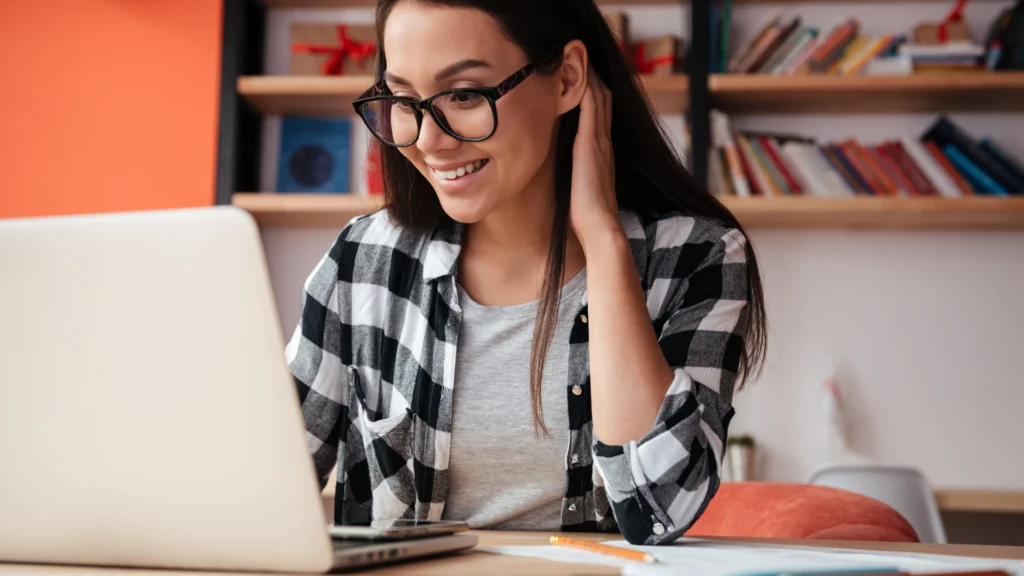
x=662 y=365
x=661 y=396
x=628 y=372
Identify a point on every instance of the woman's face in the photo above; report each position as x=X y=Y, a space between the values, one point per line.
x=431 y=48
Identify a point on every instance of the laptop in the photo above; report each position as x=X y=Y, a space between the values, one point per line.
x=147 y=417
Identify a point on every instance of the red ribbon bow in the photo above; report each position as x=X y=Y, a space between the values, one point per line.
x=955 y=15
x=645 y=66
x=347 y=48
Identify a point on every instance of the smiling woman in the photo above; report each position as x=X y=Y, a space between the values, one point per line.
x=544 y=326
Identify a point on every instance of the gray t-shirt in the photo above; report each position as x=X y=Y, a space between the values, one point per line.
x=500 y=473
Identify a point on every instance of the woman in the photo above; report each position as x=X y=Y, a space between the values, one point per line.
x=545 y=326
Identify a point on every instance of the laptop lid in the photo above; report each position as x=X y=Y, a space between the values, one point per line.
x=147 y=417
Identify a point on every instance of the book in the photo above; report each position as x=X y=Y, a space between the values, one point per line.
x=763 y=163
x=845 y=169
x=722 y=138
x=775 y=153
x=1002 y=157
x=801 y=55
x=770 y=20
x=973 y=172
x=939 y=179
x=315 y=154
x=965 y=187
x=945 y=132
x=724 y=36
x=810 y=181
x=922 y=186
x=784 y=50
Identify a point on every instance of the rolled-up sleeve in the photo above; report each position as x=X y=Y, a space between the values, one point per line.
x=659 y=486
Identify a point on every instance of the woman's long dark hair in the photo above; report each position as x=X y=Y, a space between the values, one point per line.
x=649 y=176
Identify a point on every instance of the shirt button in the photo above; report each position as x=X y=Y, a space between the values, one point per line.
x=577 y=390
x=572 y=507
x=583 y=317
x=575 y=459
x=658 y=528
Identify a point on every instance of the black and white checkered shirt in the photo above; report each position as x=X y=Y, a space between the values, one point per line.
x=374 y=361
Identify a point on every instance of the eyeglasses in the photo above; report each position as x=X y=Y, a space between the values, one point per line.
x=467 y=114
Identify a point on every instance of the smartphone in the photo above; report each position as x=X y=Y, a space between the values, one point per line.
x=396 y=529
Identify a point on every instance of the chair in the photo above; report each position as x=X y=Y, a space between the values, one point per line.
x=904 y=488
x=799 y=511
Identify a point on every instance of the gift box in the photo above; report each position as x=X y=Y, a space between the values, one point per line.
x=618 y=21
x=660 y=56
x=333 y=49
x=930 y=33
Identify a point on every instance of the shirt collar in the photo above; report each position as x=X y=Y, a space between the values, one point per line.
x=443 y=250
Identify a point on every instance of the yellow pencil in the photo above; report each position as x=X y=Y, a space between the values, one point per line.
x=603 y=549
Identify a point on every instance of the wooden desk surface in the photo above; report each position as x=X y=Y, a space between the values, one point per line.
x=475 y=562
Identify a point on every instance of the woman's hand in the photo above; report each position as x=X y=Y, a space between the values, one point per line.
x=594 y=210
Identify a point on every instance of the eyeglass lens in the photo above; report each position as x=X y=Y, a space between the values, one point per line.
x=466 y=114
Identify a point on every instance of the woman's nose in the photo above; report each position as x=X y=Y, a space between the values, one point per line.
x=432 y=138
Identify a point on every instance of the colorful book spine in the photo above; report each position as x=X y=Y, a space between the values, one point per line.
x=945 y=132
x=900 y=179
x=973 y=172
x=933 y=171
x=965 y=187
x=832 y=154
x=766 y=165
x=775 y=153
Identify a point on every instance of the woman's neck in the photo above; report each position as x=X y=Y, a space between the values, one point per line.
x=504 y=257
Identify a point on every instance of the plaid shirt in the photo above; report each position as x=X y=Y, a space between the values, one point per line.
x=374 y=359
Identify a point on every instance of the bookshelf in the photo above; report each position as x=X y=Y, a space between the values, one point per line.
x=316 y=210
x=333 y=96
x=247 y=90
x=997 y=91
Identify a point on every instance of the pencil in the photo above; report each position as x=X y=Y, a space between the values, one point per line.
x=603 y=549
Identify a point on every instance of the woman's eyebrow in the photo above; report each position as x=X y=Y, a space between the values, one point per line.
x=445 y=73
x=460 y=66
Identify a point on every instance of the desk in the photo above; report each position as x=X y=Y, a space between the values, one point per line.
x=967 y=500
x=472 y=563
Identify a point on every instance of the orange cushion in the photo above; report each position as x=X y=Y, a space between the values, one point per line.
x=803 y=511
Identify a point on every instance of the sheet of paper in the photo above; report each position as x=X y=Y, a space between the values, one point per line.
x=710 y=558
x=727 y=559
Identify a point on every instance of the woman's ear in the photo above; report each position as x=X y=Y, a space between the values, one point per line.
x=572 y=76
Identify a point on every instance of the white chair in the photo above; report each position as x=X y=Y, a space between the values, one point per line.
x=903 y=488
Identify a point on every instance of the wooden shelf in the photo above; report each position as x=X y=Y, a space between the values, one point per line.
x=304 y=210
x=333 y=95
x=875 y=213
x=961 y=500
x=308 y=210
x=845 y=94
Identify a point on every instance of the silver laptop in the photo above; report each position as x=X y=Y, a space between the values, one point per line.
x=147 y=417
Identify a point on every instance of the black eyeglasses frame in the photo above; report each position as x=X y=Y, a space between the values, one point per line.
x=379 y=91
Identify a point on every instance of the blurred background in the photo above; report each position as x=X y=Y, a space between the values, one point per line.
x=872 y=149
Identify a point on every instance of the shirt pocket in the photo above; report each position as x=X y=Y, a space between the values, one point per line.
x=387 y=442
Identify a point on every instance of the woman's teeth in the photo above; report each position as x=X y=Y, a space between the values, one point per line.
x=460 y=171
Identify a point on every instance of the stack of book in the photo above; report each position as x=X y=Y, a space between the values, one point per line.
x=963 y=56
x=783 y=48
x=944 y=161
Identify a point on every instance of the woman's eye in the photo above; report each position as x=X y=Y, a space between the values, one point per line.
x=466 y=98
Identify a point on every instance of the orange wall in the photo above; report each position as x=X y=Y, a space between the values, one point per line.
x=107 y=105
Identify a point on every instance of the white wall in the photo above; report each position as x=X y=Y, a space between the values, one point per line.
x=924 y=327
